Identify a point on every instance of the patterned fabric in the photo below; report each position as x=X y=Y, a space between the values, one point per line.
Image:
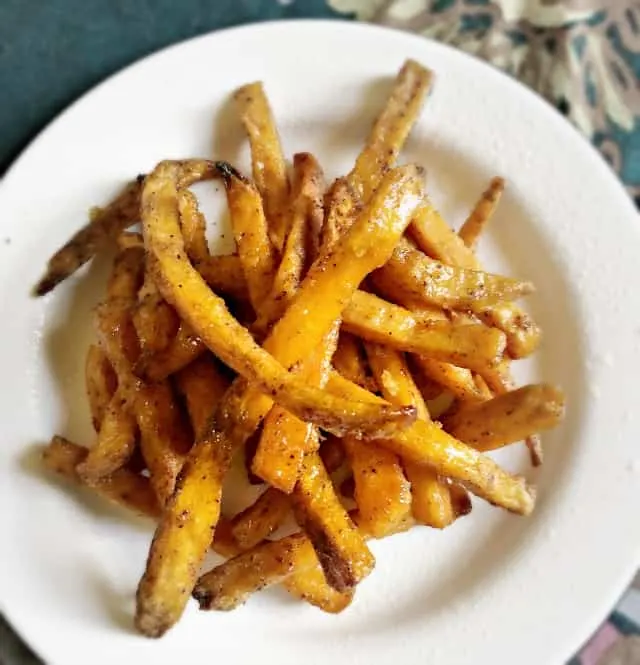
x=582 y=55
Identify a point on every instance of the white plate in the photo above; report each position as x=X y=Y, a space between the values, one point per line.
x=494 y=587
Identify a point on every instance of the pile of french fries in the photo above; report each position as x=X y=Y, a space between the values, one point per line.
x=353 y=350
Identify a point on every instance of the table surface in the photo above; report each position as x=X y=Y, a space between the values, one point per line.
x=583 y=55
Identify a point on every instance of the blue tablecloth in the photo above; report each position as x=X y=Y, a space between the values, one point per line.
x=583 y=55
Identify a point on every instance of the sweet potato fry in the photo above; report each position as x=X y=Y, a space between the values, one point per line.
x=436 y=238
x=348 y=359
x=183 y=287
x=182 y=537
x=388 y=135
x=203 y=386
x=103 y=228
x=482 y=212
x=259 y=520
x=376 y=320
x=457 y=380
x=269 y=168
x=310 y=585
x=507 y=418
x=123 y=487
x=413 y=276
x=431 y=501
x=257 y=255
x=343 y=554
x=194 y=227
x=224 y=274
x=231 y=583
x=427 y=444
x=101 y=383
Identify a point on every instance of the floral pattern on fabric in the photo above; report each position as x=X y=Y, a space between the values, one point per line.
x=582 y=55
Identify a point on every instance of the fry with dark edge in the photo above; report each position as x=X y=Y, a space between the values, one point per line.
x=482 y=212
x=104 y=227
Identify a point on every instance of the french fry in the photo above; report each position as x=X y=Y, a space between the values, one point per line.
x=231 y=583
x=430 y=498
x=194 y=227
x=269 y=168
x=257 y=255
x=411 y=276
x=104 y=227
x=348 y=359
x=259 y=520
x=101 y=383
x=183 y=287
x=376 y=320
x=203 y=386
x=507 y=418
x=342 y=552
x=425 y=443
x=224 y=274
x=457 y=380
x=388 y=135
x=122 y=487
x=482 y=212
x=129 y=239
x=302 y=240
x=182 y=537
x=436 y=238
x=310 y=585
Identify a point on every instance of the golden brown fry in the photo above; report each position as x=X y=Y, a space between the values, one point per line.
x=224 y=274
x=183 y=536
x=388 y=135
x=343 y=554
x=203 y=385
x=129 y=239
x=231 y=583
x=105 y=226
x=123 y=487
x=427 y=444
x=348 y=359
x=156 y=324
x=269 y=168
x=259 y=520
x=310 y=585
x=430 y=498
x=410 y=276
x=257 y=255
x=457 y=380
x=377 y=320
x=308 y=196
x=437 y=239
x=183 y=287
x=194 y=227
x=482 y=212
x=115 y=443
x=507 y=418
x=184 y=348
x=101 y=383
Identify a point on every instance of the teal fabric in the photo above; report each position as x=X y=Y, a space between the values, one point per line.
x=52 y=51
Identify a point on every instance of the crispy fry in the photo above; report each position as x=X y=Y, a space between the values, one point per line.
x=269 y=168
x=410 y=275
x=430 y=497
x=183 y=287
x=250 y=230
x=342 y=552
x=104 y=227
x=482 y=212
x=231 y=583
x=184 y=348
x=308 y=195
x=203 y=386
x=310 y=585
x=436 y=238
x=377 y=320
x=457 y=380
x=182 y=537
x=129 y=239
x=194 y=227
x=123 y=487
x=388 y=135
x=101 y=383
x=348 y=359
x=427 y=444
x=507 y=418
x=259 y=520
x=224 y=274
